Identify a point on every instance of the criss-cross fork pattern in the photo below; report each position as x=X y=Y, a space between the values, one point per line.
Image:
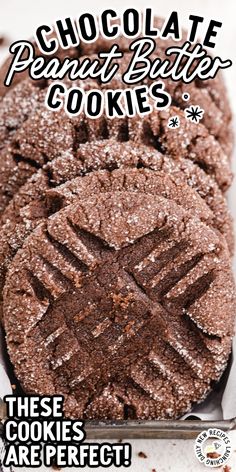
x=107 y=316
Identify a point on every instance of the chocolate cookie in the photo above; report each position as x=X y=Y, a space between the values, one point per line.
x=31 y=136
x=111 y=155
x=211 y=94
x=183 y=182
x=22 y=220
x=124 y=303
x=21 y=76
x=115 y=248
x=46 y=135
x=41 y=137
x=188 y=141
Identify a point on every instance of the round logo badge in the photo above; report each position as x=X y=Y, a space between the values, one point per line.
x=212 y=447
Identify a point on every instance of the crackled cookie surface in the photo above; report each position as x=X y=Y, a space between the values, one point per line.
x=116 y=284
x=156 y=174
x=31 y=136
x=37 y=136
x=210 y=94
x=110 y=301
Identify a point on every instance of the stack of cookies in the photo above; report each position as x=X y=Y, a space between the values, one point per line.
x=116 y=246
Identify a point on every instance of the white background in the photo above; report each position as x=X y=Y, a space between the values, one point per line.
x=18 y=19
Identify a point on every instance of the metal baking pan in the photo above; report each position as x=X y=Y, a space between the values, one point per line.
x=180 y=429
x=130 y=429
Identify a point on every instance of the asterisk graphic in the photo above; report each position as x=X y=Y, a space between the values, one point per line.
x=194 y=113
x=174 y=122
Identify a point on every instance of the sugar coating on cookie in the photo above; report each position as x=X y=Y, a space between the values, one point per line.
x=110 y=302
x=115 y=273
